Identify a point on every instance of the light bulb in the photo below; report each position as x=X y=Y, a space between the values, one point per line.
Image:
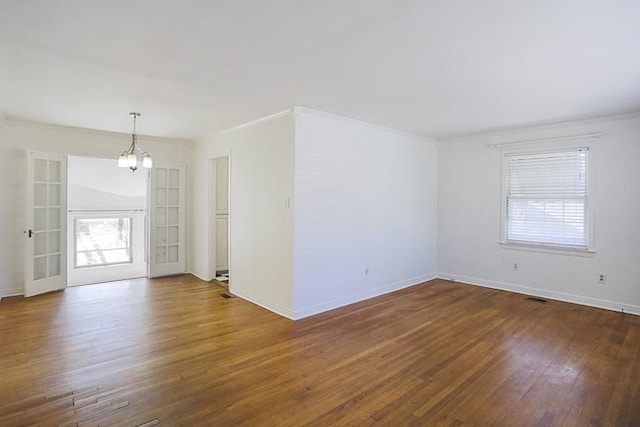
x=147 y=162
x=123 y=161
x=132 y=160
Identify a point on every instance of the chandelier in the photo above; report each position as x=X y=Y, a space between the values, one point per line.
x=130 y=157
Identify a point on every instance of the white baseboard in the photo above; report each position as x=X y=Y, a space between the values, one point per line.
x=12 y=292
x=199 y=277
x=544 y=293
x=269 y=305
x=361 y=296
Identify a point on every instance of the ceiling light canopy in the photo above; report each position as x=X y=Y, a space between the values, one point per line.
x=130 y=157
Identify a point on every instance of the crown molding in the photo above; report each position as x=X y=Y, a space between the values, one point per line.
x=539 y=126
x=549 y=139
x=13 y=121
x=256 y=122
x=312 y=112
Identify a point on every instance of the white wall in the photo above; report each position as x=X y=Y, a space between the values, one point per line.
x=95 y=184
x=261 y=226
x=18 y=137
x=469 y=218
x=365 y=199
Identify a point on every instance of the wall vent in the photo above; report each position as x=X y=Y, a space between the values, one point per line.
x=536 y=299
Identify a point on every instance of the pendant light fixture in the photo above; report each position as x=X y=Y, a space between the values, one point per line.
x=130 y=157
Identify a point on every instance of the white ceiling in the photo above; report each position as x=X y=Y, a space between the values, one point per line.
x=437 y=68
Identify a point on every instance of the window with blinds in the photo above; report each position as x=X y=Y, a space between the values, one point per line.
x=546 y=198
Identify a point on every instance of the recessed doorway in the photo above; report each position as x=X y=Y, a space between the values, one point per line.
x=219 y=238
x=106 y=221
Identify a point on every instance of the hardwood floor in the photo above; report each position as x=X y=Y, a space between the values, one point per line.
x=173 y=352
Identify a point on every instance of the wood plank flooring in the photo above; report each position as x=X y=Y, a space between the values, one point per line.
x=174 y=352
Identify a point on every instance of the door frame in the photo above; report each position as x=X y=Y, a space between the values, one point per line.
x=106 y=273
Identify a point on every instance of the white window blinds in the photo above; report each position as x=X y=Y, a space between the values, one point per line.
x=546 y=198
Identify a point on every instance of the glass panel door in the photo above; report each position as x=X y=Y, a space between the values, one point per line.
x=46 y=209
x=167 y=200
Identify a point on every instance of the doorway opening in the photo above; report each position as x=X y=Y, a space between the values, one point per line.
x=106 y=221
x=219 y=220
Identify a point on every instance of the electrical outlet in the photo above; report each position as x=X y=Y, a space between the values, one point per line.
x=515 y=266
x=602 y=278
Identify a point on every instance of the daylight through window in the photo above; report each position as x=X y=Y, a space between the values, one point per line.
x=546 y=198
x=102 y=241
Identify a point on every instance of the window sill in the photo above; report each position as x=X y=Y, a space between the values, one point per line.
x=548 y=249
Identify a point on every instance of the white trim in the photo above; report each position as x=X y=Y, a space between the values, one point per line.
x=269 y=305
x=549 y=249
x=544 y=140
x=361 y=296
x=304 y=110
x=39 y=125
x=198 y=276
x=257 y=121
x=15 y=292
x=505 y=131
x=544 y=293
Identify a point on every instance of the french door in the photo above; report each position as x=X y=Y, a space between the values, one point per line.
x=45 y=266
x=46 y=222
x=167 y=220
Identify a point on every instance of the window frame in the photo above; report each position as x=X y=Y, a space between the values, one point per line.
x=542 y=148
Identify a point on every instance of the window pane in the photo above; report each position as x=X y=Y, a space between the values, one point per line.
x=54 y=194
x=54 y=218
x=161 y=254
x=172 y=256
x=161 y=216
x=173 y=216
x=39 y=219
x=161 y=197
x=173 y=235
x=102 y=241
x=557 y=222
x=54 y=171
x=161 y=177
x=40 y=170
x=174 y=177
x=39 y=268
x=40 y=194
x=39 y=243
x=173 y=197
x=54 y=242
x=54 y=265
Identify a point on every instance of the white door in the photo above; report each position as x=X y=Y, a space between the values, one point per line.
x=222 y=243
x=222 y=214
x=167 y=220
x=45 y=268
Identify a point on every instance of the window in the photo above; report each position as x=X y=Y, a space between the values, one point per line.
x=102 y=241
x=545 y=201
